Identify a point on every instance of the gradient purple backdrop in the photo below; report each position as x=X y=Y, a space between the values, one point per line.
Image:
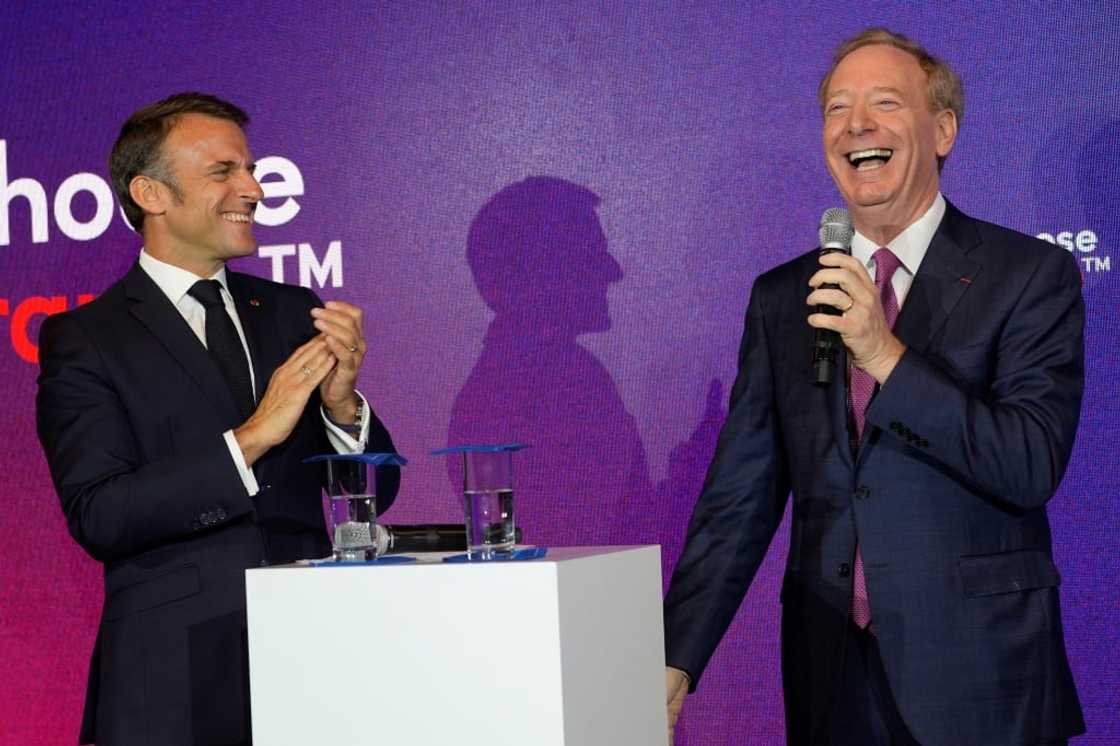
x=685 y=144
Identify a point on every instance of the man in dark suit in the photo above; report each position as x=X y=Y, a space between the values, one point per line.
x=175 y=411
x=920 y=600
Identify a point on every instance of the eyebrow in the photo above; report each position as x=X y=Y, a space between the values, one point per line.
x=230 y=165
x=876 y=89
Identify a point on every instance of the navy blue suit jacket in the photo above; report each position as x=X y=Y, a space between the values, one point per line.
x=131 y=411
x=946 y=493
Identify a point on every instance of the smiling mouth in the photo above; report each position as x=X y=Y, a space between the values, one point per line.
x=237 y=217
x=869 y=159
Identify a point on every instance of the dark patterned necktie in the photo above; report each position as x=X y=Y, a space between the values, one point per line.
x=860 y=390
x=224 y=344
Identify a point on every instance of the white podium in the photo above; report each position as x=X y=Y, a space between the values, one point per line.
x=567 y=650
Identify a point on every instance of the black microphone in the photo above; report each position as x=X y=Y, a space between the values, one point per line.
x=835 y=234
x=424 y=537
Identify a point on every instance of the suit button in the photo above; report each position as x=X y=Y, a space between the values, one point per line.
x=844 y=570
x=862 y=493
x=221 y=514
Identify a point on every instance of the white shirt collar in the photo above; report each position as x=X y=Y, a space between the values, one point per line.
x=175 y=281
x=911 y=245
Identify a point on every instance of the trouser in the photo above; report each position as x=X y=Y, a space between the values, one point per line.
x=865 y=713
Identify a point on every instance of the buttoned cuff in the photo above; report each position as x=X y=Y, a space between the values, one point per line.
x=349 y=442
x=247 y=477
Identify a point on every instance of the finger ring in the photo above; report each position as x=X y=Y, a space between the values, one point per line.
x=353 y=348
x=306 y=371
x=850 y=304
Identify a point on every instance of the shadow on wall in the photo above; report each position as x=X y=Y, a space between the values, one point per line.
x=1099 y=163
x=1075 y=189
x=540 y=261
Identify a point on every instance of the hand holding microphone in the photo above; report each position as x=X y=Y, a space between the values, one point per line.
x=835 y=234
x=849 y=310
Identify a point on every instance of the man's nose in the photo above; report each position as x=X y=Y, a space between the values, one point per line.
x=607 y=268
x=860 y=119
x=251 y=189
x=615 y=269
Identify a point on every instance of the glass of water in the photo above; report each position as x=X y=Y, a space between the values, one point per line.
x=350 y=502
x=488 y=502
x=352 y=511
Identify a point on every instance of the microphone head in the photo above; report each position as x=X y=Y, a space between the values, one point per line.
x=353 y=535
x=836 y=229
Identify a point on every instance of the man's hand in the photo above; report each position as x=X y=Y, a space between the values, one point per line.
x=341 y=327
x=676 y=687
x=861 y=325
x=284 y=400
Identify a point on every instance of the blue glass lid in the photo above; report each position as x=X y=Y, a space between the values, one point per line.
x=479 y=448
x=374 y=459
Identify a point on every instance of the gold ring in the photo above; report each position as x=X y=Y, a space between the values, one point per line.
x=850 y=304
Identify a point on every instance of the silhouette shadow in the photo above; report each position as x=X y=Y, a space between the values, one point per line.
x=1074 y=187
x=1100 y=190
x=540 y=261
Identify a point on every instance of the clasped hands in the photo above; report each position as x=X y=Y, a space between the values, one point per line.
x=329 y=362
x=861 y=324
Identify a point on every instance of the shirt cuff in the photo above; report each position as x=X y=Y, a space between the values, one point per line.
x=247 y=477
x=343 y=441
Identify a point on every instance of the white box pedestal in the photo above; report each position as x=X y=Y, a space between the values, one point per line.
x=566 y=650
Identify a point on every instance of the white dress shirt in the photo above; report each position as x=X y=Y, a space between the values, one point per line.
x=910 y=247
x=175 y=283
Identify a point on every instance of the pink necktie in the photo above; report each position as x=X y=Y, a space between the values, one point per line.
x=860 y=389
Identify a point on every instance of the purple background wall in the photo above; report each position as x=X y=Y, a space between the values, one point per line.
x=691 y=133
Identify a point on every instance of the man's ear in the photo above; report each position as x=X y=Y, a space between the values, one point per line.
x=946 y=122
x=150 y=194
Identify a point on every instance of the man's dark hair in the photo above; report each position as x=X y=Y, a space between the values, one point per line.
x=138 y=149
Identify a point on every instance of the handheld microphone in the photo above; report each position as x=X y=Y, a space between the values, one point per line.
x=835 y=234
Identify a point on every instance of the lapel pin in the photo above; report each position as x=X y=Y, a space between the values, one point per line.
x=255 y=302
x=965 y=279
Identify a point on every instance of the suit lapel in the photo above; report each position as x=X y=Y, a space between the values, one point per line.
x=942 y=280
x=838 y=407
x=258 y=321
x=257 y=313
x=150 y=306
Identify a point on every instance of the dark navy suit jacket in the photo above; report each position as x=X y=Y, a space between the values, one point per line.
x=131 y=411
x=964 y=445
